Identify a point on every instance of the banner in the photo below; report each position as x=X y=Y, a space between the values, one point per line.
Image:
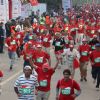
x=33 y=2
x=16 y=8
x=26 y=10
x=66 y=4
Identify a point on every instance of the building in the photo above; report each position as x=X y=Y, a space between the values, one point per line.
x=14 y=8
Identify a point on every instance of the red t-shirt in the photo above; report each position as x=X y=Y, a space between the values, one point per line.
x=40 y=57
x=44 y=79
x=67 y=89
x=42 y=28
x=12 y=44
x=46 y=40
x=95 y=58
x=84 y=52
x=91 y=30
x=27 y=52
x=73 y=28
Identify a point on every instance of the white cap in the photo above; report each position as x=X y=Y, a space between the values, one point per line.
x=27 y=67
x=39 y=45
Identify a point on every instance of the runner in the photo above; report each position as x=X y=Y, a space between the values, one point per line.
x=95 y=63
x=11 y=44
x=46 y=41
x=40 y=57
x=84 y=50
x=44 y=78
x=58 y=44
x=26 y=85
x=66 y=86
x=71 y=55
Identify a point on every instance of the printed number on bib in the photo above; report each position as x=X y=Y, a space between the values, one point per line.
x=43 y=83
x=45 y=39
x=70 y=58
x=66 y=41
x=93 y=47
x=85 y=53
x=30 y=37
x=66 y=91
x=92 y=32
x=13 y=42
x=97 y=60
x=57 y=43
x=26 y=91
x=40 y=59
x=18 y=36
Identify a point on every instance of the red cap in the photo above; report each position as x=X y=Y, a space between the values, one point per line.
x=46 y=65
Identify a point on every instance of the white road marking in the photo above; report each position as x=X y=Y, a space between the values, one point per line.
x=12 y=77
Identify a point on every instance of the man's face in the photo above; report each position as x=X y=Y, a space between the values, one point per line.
x=66 y=76
x=39 y=48
x=84 y=42
x=45 y=69
x=27 y=72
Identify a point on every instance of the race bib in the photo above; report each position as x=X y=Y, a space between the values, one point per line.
x=18 y=36
x=85 y=53
x=26 y=90
x=66 y=91
x=40 y=60
x=57 y=43
x=66 y=41
x=93 y=47
x=97 y=60
x=13 y=42
x=50 y=25
x=42 y=30
x=45 y=39
x=70 y=58
x=30 y=37
x=43 y=83
x=66 y=28
x=92 y=32
x=80 y=26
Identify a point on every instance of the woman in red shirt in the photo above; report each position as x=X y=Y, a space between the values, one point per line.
x=65 y=87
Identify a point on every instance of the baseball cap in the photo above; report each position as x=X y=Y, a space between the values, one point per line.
x=27 y=67
x=46 y=65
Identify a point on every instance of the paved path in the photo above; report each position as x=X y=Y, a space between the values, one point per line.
x=88 y=88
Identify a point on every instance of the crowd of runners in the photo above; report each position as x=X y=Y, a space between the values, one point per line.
x=75 y=38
